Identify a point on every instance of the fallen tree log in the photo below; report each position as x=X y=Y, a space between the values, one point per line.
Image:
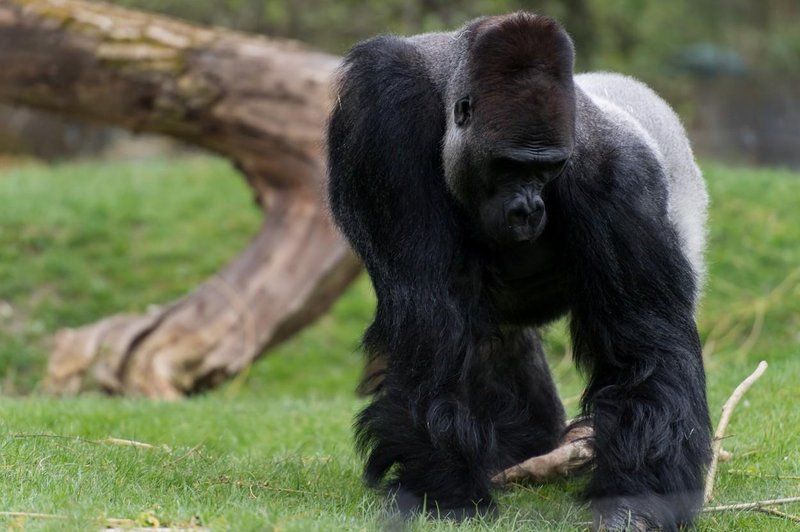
x=260 y=102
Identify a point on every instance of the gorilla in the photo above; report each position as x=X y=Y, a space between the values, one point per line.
x=489 y=191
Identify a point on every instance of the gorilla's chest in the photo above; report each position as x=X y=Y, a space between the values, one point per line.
x=527 y=283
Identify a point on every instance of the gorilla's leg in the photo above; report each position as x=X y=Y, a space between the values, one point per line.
x=429 y=443
x=499 y=407
x=633 y=293
x=516 y=393
x=651 y=445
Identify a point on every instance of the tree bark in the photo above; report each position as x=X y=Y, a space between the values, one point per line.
x=260 y=102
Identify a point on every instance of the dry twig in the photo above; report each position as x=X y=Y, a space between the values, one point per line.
x=751 y=505
x=129 y=443
x=761 y=475
x=111 y=523
x=727 y=411
x=105 y=441
x=778 y=513
x=573 y=453
x=32 y=515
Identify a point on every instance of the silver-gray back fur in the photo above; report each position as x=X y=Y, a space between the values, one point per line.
x=636 y=108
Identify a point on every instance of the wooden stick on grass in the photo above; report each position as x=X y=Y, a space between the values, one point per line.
x=727 y=411
x=573 y=453
x=777 y=513
x=36 y=515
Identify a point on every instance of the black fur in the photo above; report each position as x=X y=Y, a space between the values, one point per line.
x=466 y=390
x=631 y=300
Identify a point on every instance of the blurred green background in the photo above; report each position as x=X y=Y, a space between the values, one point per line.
x=730 y=67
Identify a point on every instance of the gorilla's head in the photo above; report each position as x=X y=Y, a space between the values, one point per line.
x=510 y=122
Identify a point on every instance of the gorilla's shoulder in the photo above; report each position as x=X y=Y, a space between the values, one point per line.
x=618 y=94
x=596 y=82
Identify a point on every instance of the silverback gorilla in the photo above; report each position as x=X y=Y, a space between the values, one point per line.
x=490 y=191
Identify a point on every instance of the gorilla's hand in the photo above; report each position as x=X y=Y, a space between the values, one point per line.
x=640 y=513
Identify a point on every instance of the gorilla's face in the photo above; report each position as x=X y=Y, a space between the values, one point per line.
x=501 y=156
x=500 y=178
x=511 y=123
x=502 y=187
x=511 y=208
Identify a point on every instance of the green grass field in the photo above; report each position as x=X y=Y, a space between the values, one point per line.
x=272 y=449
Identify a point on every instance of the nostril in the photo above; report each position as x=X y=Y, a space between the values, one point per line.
x=518 y=216
x=536 y=215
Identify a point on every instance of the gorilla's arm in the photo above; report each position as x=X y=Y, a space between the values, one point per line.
x=461 y=399
x=388 y=195
x=632 y=304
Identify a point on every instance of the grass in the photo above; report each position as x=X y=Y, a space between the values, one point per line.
x=272 y=449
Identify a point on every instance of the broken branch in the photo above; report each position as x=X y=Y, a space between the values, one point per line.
x=727 y=412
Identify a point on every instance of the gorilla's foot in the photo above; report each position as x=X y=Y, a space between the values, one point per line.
x=572 y=455
x=404 y=504
x=622 y=520
x=640 y=513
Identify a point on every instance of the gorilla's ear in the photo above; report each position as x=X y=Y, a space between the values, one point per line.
x=386 y=185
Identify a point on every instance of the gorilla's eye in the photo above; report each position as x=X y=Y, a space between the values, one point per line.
x=463 y=111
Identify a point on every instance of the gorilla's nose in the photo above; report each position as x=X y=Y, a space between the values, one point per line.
x=524 y=211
